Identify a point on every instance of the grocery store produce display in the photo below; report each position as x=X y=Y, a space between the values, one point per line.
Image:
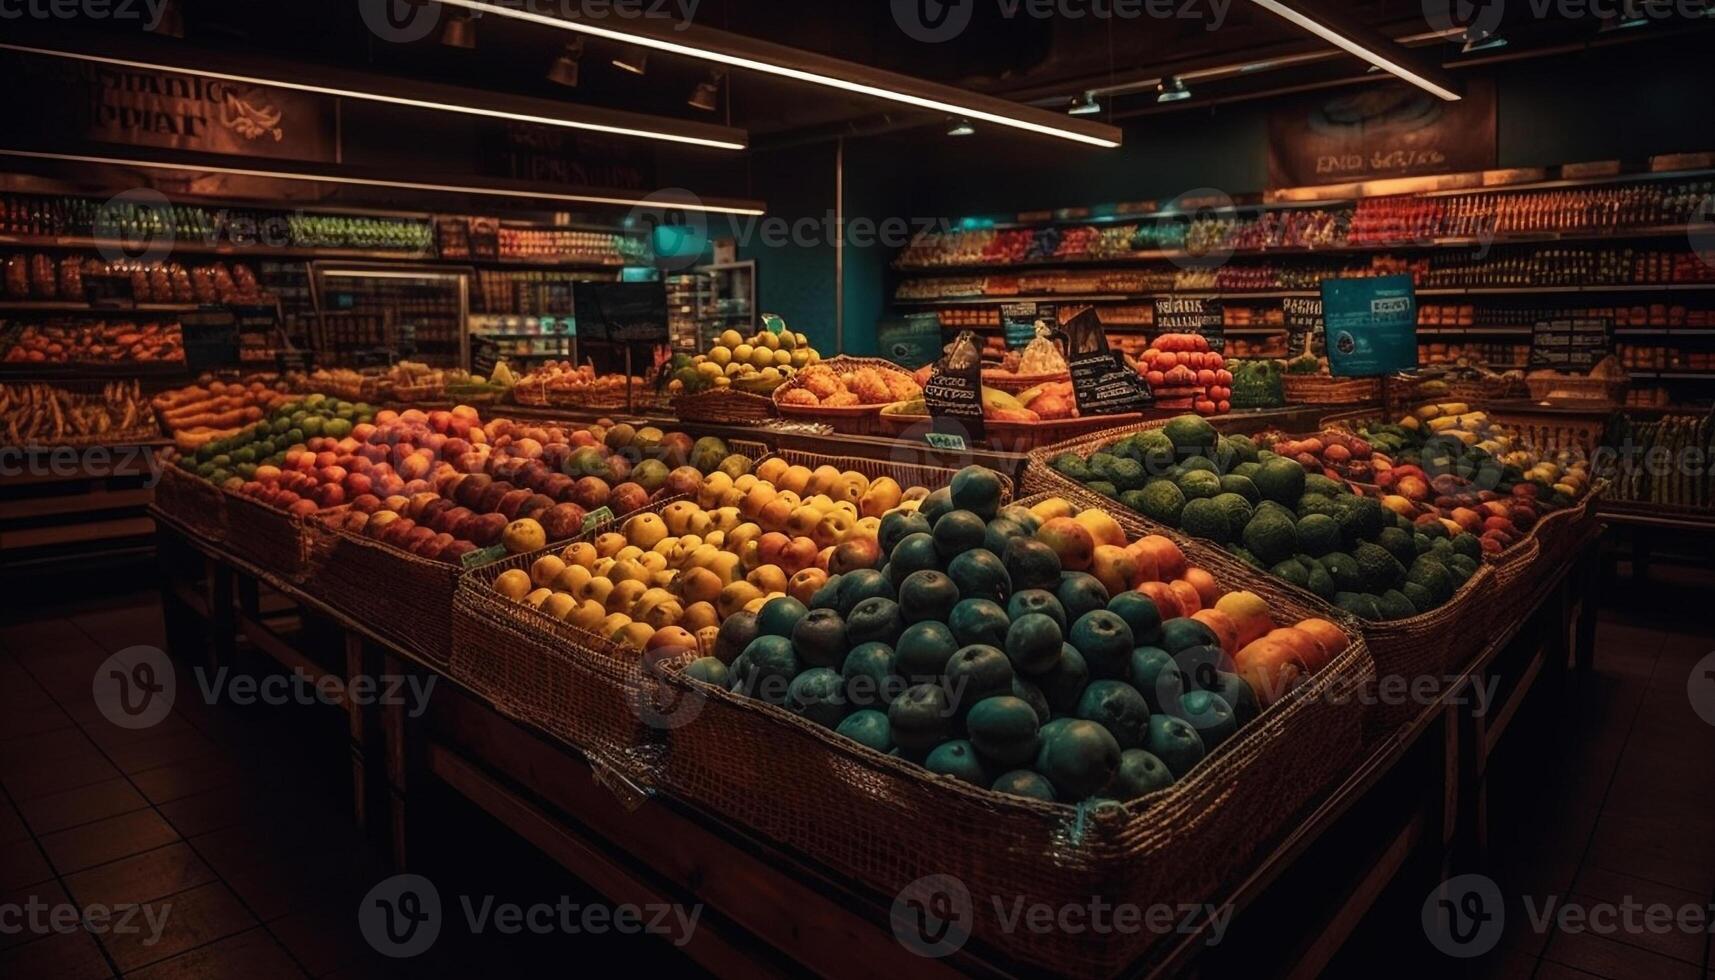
x=1686 y=441
x=45 y=415
x=1032 y=650
x=214 y=409
x=757 y=364
x=98 y=342
x=1184 y=373
x=563 y=383
x=1309 y=529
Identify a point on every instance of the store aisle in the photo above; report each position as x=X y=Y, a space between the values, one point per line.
x=238 y=818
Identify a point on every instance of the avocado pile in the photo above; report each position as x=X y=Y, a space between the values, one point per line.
x=1305 y=528
x=265 y=442
x=971 y=653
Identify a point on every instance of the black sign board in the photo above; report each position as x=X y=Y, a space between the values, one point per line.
x=621 y=312
x=210 y=338
x=1101 y=381
x=485 y=238
x=1304 y=324
x=297 y=359
x=484 y=354
x=375 y=357
x=954 y=394
x=1193 y=315
x=1571 y=345
x=452 y=238
x=109 y=292
x=1019 y=320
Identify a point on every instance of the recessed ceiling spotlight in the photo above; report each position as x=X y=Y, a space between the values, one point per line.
x=459 y=32
x=633 y=60
x=961 y=127
x=707 y=95
x=1172 y=90
x=1479 y=39
x=1085 y=105
x=564 y=70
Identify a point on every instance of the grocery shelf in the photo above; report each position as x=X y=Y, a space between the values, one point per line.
x=69 y=306
x=1477 y=331
x=1672 y=374
x=1243 y=295
x=305 y=252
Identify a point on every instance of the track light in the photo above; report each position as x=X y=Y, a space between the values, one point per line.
x=633 y=60
x=1478 y=39
x=459 y=32
x=1085 y=105
x=564 y=70
x=1621 y=23
x=1172 y=90
x=1379 y=52
x=708 y=92
x=961 y=127
x=171 y=20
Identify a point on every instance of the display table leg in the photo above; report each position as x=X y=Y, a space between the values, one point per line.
x=397 y=751
x=356 y=712
x=222 y=619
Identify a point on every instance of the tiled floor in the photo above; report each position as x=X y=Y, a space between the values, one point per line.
x=237 y=819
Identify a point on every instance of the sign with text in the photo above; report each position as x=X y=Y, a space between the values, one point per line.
x=1380 y=131
x=1018 y=321
x=210 y=338
x=1102 y=384
x=910 y=341
x=1571 y=345
x=1371 y=325
x=954 y=394
x=1194 y=315
x=1304 y=326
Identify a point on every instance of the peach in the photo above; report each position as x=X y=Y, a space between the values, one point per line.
x=1169 y=560
x=1165 y=599
x=1070 y=540
x=1208 y=591
x=1190 y=600
x=1114 y=567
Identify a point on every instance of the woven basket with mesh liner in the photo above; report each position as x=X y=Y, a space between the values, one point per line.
x=724 y=406
x=857 y=420
x=575 y=685
x=267 y=537
x=193 y=502
x=1421 y=650
x=884 y=822
x=1314 y=389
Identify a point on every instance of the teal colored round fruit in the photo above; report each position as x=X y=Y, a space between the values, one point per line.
x=1003 y=728
x=826 y=597
x=1156 y=676
x=1210 y=715
x=979 y=621
x=1023 y=782
x=1140 y=774
x=920 y=718
x=923 y=651
x=1031 y=564
x=1033 y=643
x=868 y=728
x=978 y=574
x=779 y=616
x=773 y=665
x=977 y=672
x=1238 y=695
x=709 y=670
x=868 y=673
x=898 y=525
x=1118 y=707
x=874 y=621
x=741 y=676
x=958 y=532
x=819 y=695
x=1032 y=695
x=1185 y=633
x=858 y=585
x=820 y=639
x=1065 y=683
x=1079 y=593
x=916 y=553
x=1175 y=743
x=926 y=596
x=1140 y=613
x=1106 y=643
x=1079 y=758
x=1020 y=515
x=935 y=504
x=1036 y=601
x=957 y=758
x=1202 y=667
x=999 y=533
x=976 y=489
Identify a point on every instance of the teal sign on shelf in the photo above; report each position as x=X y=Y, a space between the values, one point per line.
x=910 y=342
x=1370 y=325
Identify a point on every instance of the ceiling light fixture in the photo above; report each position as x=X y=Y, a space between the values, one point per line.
x=652 y=201
x=459 y=32
x=707 y=94
x=352 y=93
x=1620 y=23
x=961 y=127
x=633 y=60
x=1106 y=137
x=1172 y=90
x=1477 y=39
x=1375 y=54
x=1085 y=105
x=564 y=70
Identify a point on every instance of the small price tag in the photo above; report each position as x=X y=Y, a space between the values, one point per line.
x=598 y=517
x=945 y=440
x=483 y=556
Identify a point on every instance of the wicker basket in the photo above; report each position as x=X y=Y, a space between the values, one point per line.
x=724 y=406
x=1012 y=437
x=1314 y=389
x=533 y=394
x=267 y=537
x=193 y=502
x=1015 y=383
x=1421 y=651
x=857 y=420
x=403 y=597
x=433 y=391
x=1575 y=390
x=850 y=810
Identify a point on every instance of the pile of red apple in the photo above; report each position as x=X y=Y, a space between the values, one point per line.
x=1499 y=520
x=1184 y=373
x=1334 y=454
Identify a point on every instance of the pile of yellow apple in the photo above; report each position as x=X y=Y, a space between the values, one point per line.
x=781 y=530
x=758 y=364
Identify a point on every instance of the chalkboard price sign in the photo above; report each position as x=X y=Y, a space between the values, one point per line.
x=1304 y=326
x=1019 y=321
x=1571 y=345
x=1101 y=382
x=1193 y=315
x=210 y=338
x=954 y=394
